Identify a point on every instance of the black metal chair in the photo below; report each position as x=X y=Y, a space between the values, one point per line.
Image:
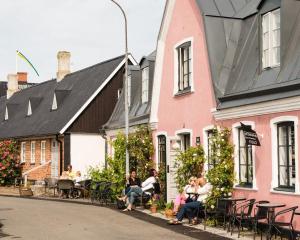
x=66 y=187
x=221 y=210
x=259 y=215
x=51 y=183
x=284 y=228
x=102 y=192
x=242 y=214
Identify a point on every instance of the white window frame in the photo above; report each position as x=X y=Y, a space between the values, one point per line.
x=270 y=30
x=273 y=125
x=180 y=133
x=145 y=84
x=32 y=152
x=205 y=143
x=235 y=135
x=43 y=152
x=175 y=51
x=162 y=133
x=23 y=152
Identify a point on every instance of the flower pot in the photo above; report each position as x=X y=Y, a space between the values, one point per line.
x=169 y=213
x=153 y=208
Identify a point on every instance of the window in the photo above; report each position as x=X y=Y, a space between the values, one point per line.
x=54 y=103
x=245 y=161
x=184 y=66
x=23 y=152
x=271 y=39
x=145 y=84
x=32 y=149
x=210 y=162
x=43 y=152
x=29 y=111
x=185 y=141
x=286 y=155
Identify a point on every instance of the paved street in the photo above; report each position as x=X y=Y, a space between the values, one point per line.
x=43 y=220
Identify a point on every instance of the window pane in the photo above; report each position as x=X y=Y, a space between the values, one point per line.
x=185 y=54
x=276 y=19
x=243 y=156
x=185 y=68
x=283 y=176
x=282 y=155
x=282 y=135
x=265 y=23
x=266 y=41
x=186 y=81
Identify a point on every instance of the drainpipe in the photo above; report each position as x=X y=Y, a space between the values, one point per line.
x=60 y=154
x=103 y=135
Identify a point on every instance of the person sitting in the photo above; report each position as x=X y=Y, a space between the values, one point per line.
x=134 y=192
x=186 y=195
x=70 y=173
x=191 y=208
x=132 y=181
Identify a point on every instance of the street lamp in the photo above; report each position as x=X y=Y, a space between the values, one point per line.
x=126 y=87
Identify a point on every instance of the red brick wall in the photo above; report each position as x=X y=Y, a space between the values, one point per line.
x=44 y=171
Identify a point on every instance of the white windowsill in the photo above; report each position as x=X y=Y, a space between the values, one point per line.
x=285 y=193
x=245 y=188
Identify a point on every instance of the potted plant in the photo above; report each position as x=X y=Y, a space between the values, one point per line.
x=169 y=210
x=153 y=205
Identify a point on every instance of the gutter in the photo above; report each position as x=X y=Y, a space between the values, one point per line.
x=60 y=153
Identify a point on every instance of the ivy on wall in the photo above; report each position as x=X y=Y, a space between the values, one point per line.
x=9 y=162
x=221 y=176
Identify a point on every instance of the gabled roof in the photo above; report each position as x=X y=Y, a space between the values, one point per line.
x=233 y=41
x=139 y=112
x=75 y=92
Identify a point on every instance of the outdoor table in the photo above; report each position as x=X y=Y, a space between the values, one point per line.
x=85 y=186
x=232 y=201
x=271 y=213
x=297 y=213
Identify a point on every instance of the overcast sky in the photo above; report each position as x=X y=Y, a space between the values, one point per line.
x=92 y=30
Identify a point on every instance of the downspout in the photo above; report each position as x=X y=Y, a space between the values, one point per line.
x=103 y=135
x=60 y=154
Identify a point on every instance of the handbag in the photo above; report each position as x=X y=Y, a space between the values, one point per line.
x=121 y=204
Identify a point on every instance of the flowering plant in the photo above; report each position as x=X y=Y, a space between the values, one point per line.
x=9 y=162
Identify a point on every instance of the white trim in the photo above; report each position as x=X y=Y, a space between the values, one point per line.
x=54 y=103
x=6 y=114
x=159 y=61
x=29 y=110
x=235 y=136
x=245 y=189
x=175 y=67
x=184 y=131
x=273 y=126
x=205 y=143
x=43 y=150
x=23 y=152
x=275 y=106
x=32 y=151
x=284 y=193
x=91 y=98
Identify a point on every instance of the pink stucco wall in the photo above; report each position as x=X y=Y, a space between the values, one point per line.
x=191 y=111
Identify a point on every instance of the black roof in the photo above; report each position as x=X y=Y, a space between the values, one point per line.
x=139 y=112
x=3 y=88
x=72 y=93
x=234 y=42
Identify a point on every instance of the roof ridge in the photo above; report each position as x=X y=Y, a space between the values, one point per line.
x=35 y=85
x=97 y=64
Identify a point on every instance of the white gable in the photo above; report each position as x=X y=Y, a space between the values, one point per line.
x=29 y=111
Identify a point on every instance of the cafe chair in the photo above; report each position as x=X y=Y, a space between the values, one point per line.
x=259 y=215
x=66 y=187
x=220 y=211
x=51 y=183
x=284 y=228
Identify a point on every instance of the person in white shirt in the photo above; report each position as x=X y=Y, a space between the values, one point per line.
x=191 y=208
x=134 y=192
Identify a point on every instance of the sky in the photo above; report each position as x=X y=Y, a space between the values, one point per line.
x=92 y=30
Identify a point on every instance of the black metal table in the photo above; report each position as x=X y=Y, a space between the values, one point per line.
x=232 y=202
x=271 y=212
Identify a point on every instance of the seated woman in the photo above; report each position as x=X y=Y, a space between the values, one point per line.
x=191 y=208
x=186 y=195
x=138 y=191
x=132 y=181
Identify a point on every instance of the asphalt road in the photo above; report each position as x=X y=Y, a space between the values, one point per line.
x=48 y=220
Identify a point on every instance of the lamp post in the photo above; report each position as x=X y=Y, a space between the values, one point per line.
x=126 y=87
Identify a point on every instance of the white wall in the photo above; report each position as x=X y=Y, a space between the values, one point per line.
x=86 y=150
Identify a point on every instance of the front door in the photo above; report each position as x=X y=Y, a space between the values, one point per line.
x=54 y=158
x=162 y=161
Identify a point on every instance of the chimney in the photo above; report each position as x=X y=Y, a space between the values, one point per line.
x=22 y=77
x=12 y=85
x=63 y=60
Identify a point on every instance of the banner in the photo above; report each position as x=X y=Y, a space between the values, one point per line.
x=250 y=135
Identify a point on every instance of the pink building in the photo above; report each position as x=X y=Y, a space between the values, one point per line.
x=227 y=62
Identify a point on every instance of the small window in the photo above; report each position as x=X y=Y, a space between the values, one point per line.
x=185 y=141
x=54 y=103
x=286 y=155
x=245 y=161
x=32 y=151
x=271 y=39
x=23 y=152
x=145 y=84
x=29 y=111
x=119 y=92
x=6 y=114
x=43 y=152
x=184 y=66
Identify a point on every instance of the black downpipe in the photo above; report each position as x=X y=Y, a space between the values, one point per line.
x=60 y=155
